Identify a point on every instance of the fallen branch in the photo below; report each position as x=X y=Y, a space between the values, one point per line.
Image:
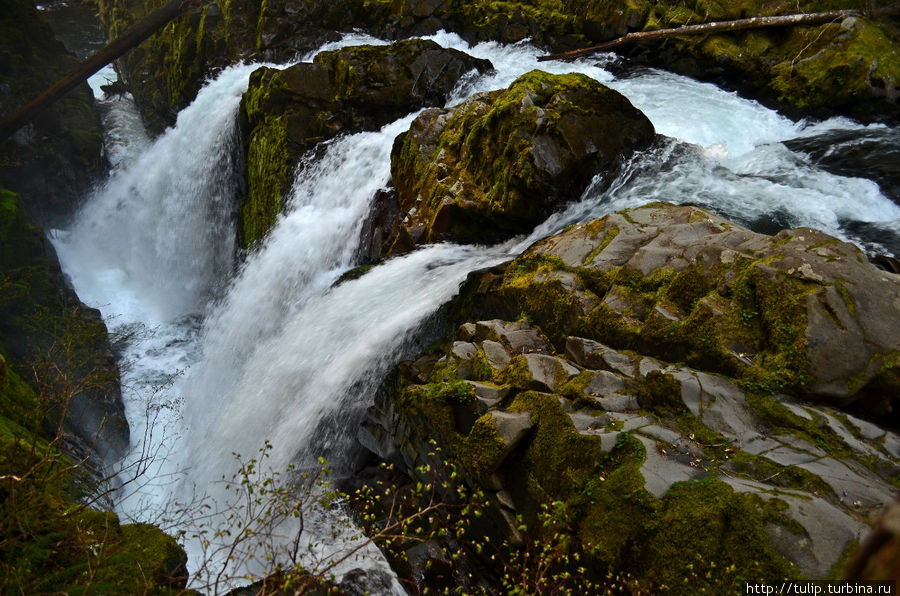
x=131 y=38
x=792 y=20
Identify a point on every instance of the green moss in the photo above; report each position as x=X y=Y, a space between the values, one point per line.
x=830 y=66
x=558 y=460
x=838 y=570
x=618 y=511
x=481 y=367
x=782 y=419
x=660 y=393
x=712 y=539
x=268 y=170
x=482 y=448
x=515 y=374
x=49 y=542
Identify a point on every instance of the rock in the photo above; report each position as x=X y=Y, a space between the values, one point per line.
x=512 y=428
x=800 y=311
x=517 y=337
x=827 y=530
x=546 y=373
x=57 y=158
x=661 y=472
x=693 y=464
x=854 y=484
x=52 y=338
x=500 y=162
x=872 y=153
x=286 y=112
x=592 y=354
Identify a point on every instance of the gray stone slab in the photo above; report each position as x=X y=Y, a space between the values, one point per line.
x=854 y=485
x=604 y=383
x=891 y=444
x=661 y=472
x=463 y=350
x=648 y=365
x=725 y=409
x=496 y=354
x=828 y=530
x=608 y=440
x=617 y=402
x=512 y=427
x=524 y=340
x=592 y=354
x=690 y=389
x=757 y=444
x=794 y=407
x=548 y=372
x=868 y=431
x=586 y=421
x=630 y=421
x=847 y=437
x=798 y=443
x=786 y=456
x=661 y=433
x=466 y=332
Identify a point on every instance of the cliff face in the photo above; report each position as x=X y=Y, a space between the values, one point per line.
x=53 y=161
x=61 y=414
x=849 y=68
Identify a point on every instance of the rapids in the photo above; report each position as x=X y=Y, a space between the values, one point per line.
x=221 y=353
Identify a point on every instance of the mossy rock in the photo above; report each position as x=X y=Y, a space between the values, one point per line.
x=46 y=332
x=799 y=312
x=500 y=162
x=50 y=542
x=287 y=112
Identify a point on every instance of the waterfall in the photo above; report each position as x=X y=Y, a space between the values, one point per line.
x=283 y=354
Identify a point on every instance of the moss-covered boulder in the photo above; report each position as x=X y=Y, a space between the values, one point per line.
x=656 y=472
x=500 y=162
x=53 y=339
x=798 y=312
x=52 y=161
x=286 y=112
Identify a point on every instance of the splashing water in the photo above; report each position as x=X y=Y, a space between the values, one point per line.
x=286 y=355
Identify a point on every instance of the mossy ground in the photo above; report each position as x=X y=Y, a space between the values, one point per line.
x=701 y=530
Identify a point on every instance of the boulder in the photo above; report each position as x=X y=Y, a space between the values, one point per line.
x=799 y=311
x=287 y=112
x=500 y=162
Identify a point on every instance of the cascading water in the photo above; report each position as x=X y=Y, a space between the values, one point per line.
x=284 y=353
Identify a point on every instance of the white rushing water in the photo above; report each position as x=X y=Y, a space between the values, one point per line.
x=286 y=356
